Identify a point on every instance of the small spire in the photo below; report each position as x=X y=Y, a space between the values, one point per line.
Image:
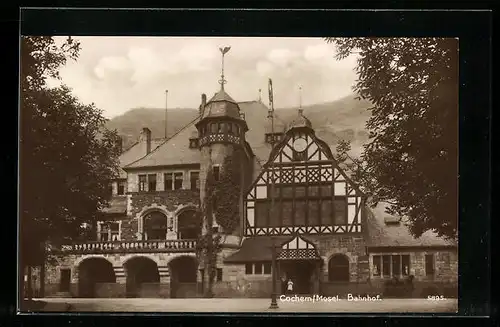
x=260 y=95
x=223 y=51
x=300 y=101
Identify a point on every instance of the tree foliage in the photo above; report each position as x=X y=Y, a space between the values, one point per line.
x=67 y=157
x=411 y=159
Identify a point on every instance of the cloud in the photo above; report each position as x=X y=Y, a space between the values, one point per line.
x=119 y=73
x=281 y=57
x=110 y=65
x=264 y=68
x=318 y=52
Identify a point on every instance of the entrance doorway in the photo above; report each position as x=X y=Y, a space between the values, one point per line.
x=141 y=272
x=183 y=277
x=301 y=272
x=65 y=280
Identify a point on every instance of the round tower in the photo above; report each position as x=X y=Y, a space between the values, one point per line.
x=221 y=130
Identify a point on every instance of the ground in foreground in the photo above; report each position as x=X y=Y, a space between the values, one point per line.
x=251 y=305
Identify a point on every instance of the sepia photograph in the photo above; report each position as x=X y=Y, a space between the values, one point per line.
x=238 y=174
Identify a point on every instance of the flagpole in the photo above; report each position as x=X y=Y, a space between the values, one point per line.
x=274 y=303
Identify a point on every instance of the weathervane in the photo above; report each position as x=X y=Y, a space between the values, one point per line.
x=300 y=101
x=222 y=80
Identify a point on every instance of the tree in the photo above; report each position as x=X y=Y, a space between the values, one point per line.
x=411 y=159
x=67 y=157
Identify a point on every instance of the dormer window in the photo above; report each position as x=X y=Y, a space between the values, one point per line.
x=193 y=143
x=273 y=138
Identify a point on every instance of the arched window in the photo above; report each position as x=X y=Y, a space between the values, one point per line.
x=189 y=225
x=338 y=268
x=155 y=226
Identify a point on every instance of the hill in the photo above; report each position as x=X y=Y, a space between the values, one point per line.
x=341 y=119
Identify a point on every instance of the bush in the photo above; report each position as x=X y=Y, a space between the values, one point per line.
x=398 y=288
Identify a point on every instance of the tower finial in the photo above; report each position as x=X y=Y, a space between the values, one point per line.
x=260 y=95
x=223 y=51
x=300 y=101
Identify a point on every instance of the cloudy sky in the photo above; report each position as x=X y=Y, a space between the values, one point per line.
x=120 y=73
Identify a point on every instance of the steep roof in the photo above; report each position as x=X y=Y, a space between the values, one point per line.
x=137 y=150
x=173 y=151
x=176 y=151
x=381 y=234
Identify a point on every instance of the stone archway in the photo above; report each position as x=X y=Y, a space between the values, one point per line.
x=183 y=271
x=91 y=272
x=188 y=224
x=155 y=225
x=338 y=268
x=142 y=277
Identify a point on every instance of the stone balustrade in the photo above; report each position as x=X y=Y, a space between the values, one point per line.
x=187 y=245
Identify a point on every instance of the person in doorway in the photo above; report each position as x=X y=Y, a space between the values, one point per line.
x=289 y=286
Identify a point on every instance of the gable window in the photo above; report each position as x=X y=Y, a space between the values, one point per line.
x=193 y=143
x=216 y=171
x=429 y=264
x=151 y=182
x=142 y=183
x=168 y=181
x=121 y=188
x=391 y=265
x=178 y=177
x=195 y=180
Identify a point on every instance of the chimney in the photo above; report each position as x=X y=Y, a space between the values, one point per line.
x=203 y=103
x=146 y=137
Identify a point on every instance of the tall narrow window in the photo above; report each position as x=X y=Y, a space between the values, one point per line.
x=152 y=182
x=267 y=268
x=248 y=268
x=429 y=264
x=396 y=265
x=121 y=188
x=376 y=265
x=178 y=181
x=168 y=182
x=258 y=268
x=219 y=274
x=195 y=180
x=110 y=189
x=142 y=183
x=340 y=214
x=386 y=265
x=216 y=171
x=114 y=229
x=405 y=264
x=230 y=128
x=213 y=128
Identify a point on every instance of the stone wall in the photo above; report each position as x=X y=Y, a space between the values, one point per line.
x=445 y=263
x=353 y=247
x=171 y=200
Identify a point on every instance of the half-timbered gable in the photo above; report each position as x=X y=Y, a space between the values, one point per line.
x=312 y=194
